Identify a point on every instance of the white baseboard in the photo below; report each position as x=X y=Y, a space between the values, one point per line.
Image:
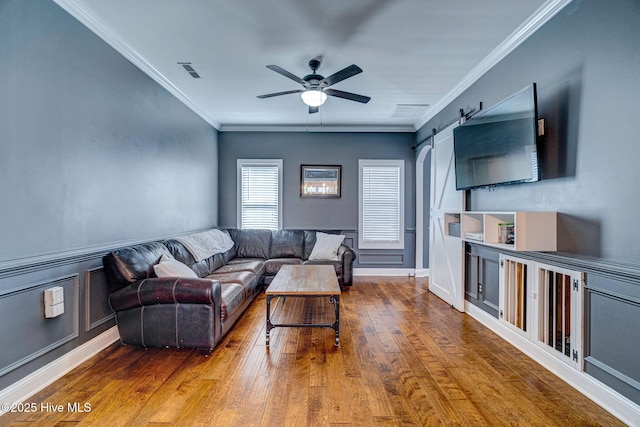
x=422 y=272
x=384 y=272
x=618 y=405
x=36 y=381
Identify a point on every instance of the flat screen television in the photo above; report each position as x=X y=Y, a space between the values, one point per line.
x=498 y=146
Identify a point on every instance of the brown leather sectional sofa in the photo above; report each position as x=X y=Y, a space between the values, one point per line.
x=181 y=312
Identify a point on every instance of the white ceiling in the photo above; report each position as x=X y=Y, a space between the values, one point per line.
x=412 y=52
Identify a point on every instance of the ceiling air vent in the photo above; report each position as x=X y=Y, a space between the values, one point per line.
x=408 y=111
x=187 y=66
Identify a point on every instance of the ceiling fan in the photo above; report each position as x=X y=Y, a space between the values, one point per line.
x=316 y=87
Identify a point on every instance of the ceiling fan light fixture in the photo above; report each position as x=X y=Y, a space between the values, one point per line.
x=316 y=88
x=313 y=97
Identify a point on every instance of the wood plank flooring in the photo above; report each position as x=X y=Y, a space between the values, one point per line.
x=405 y=358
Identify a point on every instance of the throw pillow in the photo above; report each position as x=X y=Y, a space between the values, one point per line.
x=169 y=267
x=326 y=246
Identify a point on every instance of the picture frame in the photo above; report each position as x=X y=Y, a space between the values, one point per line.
x=320 y=181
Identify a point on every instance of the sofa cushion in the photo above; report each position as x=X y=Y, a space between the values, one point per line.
x=232 y=296
x=242 y=278
x=230 y=254
x=206 y=266
x=271 y=266
x=171 y=267
x=251 y=243
x=127 y=265
x=309 y=241
x=244 y=260
x=253 y=265
x=326 y=247
x=287 y=244
x=179 y=252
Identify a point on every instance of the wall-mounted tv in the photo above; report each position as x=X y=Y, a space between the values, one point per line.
x=498 y=146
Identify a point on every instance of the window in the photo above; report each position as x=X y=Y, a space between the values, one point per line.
x=381 y=204
x=260 y=194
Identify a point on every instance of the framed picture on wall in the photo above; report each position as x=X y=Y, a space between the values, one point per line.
x=320 y=181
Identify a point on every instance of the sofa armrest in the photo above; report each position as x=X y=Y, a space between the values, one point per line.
x=347 y=255
x=166 y=290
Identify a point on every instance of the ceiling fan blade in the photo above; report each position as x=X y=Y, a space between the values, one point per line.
x=313 y=109
x=347 y=95
x=345 y=73
x=287 y=92
x=285 y=73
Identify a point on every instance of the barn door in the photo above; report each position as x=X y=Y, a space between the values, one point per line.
x=446 y=253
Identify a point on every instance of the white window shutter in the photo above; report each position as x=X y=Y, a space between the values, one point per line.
x=381 y=204
x=259 y=194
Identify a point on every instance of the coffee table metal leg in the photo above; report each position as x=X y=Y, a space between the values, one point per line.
x=269 y=324
x=335 y=300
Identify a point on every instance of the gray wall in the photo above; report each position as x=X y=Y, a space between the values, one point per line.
x=296 y=148
x=586 y=63
x=93 y=154
x=93 y=151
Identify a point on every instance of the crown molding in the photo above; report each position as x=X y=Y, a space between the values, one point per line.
x=540 y=17
x=83 y=14
x=547 y=11
x=316 y=128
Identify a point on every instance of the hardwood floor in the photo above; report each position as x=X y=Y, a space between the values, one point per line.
x=405 y=358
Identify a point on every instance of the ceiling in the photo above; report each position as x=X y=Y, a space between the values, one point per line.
x=416 y=54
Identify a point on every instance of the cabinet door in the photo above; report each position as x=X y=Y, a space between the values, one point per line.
x=471 y=277
x=482 y=278
x=515 y=293
x=558 y=312
x=490 y=285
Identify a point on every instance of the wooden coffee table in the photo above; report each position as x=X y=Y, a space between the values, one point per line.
x=314 y=290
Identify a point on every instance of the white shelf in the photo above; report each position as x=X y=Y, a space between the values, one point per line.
x=452 y=218
x=533 y=231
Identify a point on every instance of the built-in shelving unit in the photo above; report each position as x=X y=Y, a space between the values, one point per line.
x=561 y=310
x=532 y=231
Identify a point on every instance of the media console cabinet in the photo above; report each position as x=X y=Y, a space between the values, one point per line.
x=554 y=306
